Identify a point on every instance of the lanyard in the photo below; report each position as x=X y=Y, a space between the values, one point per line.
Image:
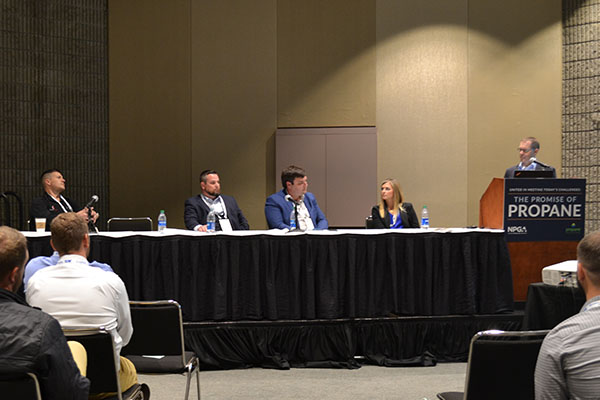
x=61 y=204
x=209 y=202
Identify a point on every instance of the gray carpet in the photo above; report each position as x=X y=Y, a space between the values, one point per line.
x=368 y=382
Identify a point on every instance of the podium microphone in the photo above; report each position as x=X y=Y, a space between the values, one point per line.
x=92 y=201
x=541 y=164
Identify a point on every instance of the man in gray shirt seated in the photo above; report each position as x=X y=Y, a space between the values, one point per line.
x=568 y=366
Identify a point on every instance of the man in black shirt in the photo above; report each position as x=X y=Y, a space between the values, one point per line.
x=52 y=202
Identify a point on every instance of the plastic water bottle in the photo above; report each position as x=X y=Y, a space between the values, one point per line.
x=162 y=221
x=425 y=218
x=211 y=220
x=293 y=220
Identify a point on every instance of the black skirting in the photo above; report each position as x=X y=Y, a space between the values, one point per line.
x=392 y=342
x=312 y=276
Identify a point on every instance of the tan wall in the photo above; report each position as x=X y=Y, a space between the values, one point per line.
x=326 y=63
x=149 y=107
x=514 y=87
x=450 y=84
x=422 y=103
x=234 y=99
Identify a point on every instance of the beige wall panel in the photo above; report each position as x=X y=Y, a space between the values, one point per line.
x=514 y=87
x=309 y=151
x=149 y=107
x=326 y=63
x=234 y=99
x=422 y=104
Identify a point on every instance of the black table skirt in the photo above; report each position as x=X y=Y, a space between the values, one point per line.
x=263 y=277
x=548 y=305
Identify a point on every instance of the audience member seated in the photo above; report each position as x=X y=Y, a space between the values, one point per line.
x=568 y=366
x=80 y=296
x=30 y=339
x=279 y=206
x=392 y=211
x=37 y=263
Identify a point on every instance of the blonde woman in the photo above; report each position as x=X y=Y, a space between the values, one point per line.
x=392 y=212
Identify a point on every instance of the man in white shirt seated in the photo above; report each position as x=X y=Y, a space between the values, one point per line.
x=80 y=296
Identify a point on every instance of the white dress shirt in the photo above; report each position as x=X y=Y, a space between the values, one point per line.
x=80 y=296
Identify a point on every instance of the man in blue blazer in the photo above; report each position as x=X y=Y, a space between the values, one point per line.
x=279 y=206
x=198 y=207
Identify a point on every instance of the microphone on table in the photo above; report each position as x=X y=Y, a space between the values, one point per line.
x=541 y=164
x=92 y=201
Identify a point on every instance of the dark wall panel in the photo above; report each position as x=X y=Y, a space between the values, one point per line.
x=54 y=97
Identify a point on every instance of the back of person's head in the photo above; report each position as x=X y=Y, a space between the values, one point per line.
x=68 y=231
x=535 y=145
x=46 y=174
x=588 y=254
x=13 y=250
x=290 y=173
x=205 y=173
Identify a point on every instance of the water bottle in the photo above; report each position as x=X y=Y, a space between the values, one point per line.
x=293 y=220
x=425 y=218
x=211 y=220
x=162 y=221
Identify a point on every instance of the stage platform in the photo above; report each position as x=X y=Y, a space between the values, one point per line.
x=340 y=343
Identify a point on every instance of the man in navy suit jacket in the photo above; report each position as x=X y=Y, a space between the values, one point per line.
x=198 y=207
x=278 y=208
x=528 y=149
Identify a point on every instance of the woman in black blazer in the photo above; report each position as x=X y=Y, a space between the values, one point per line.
x=392 y=212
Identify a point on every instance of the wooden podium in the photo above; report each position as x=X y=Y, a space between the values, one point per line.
x=528 y=258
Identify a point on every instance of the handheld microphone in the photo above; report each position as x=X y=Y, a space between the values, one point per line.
x=541 y=164
x=289 y=198
x=92 y=201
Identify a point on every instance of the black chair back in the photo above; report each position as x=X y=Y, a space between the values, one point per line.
x=118 y=224
x=11 y=214
x=502 y=365
x=158 y=329
x=101 y=364
x=20 y=386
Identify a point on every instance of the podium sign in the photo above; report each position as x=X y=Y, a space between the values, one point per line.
x=538 y=210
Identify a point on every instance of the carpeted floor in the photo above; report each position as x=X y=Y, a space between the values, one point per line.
x=368 y=382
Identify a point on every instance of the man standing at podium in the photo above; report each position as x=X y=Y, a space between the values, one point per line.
x=528 y=149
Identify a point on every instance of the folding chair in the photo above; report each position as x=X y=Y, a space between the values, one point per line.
x=7 y=218
x=23 y=386
x=501 y=366
x=102 y=363
x=157 y=344
x=129 y=224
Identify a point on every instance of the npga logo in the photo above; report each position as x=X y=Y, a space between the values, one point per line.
x=517 y=230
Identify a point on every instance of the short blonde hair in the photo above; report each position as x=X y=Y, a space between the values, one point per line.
x=13 y=250
x=68 y=231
